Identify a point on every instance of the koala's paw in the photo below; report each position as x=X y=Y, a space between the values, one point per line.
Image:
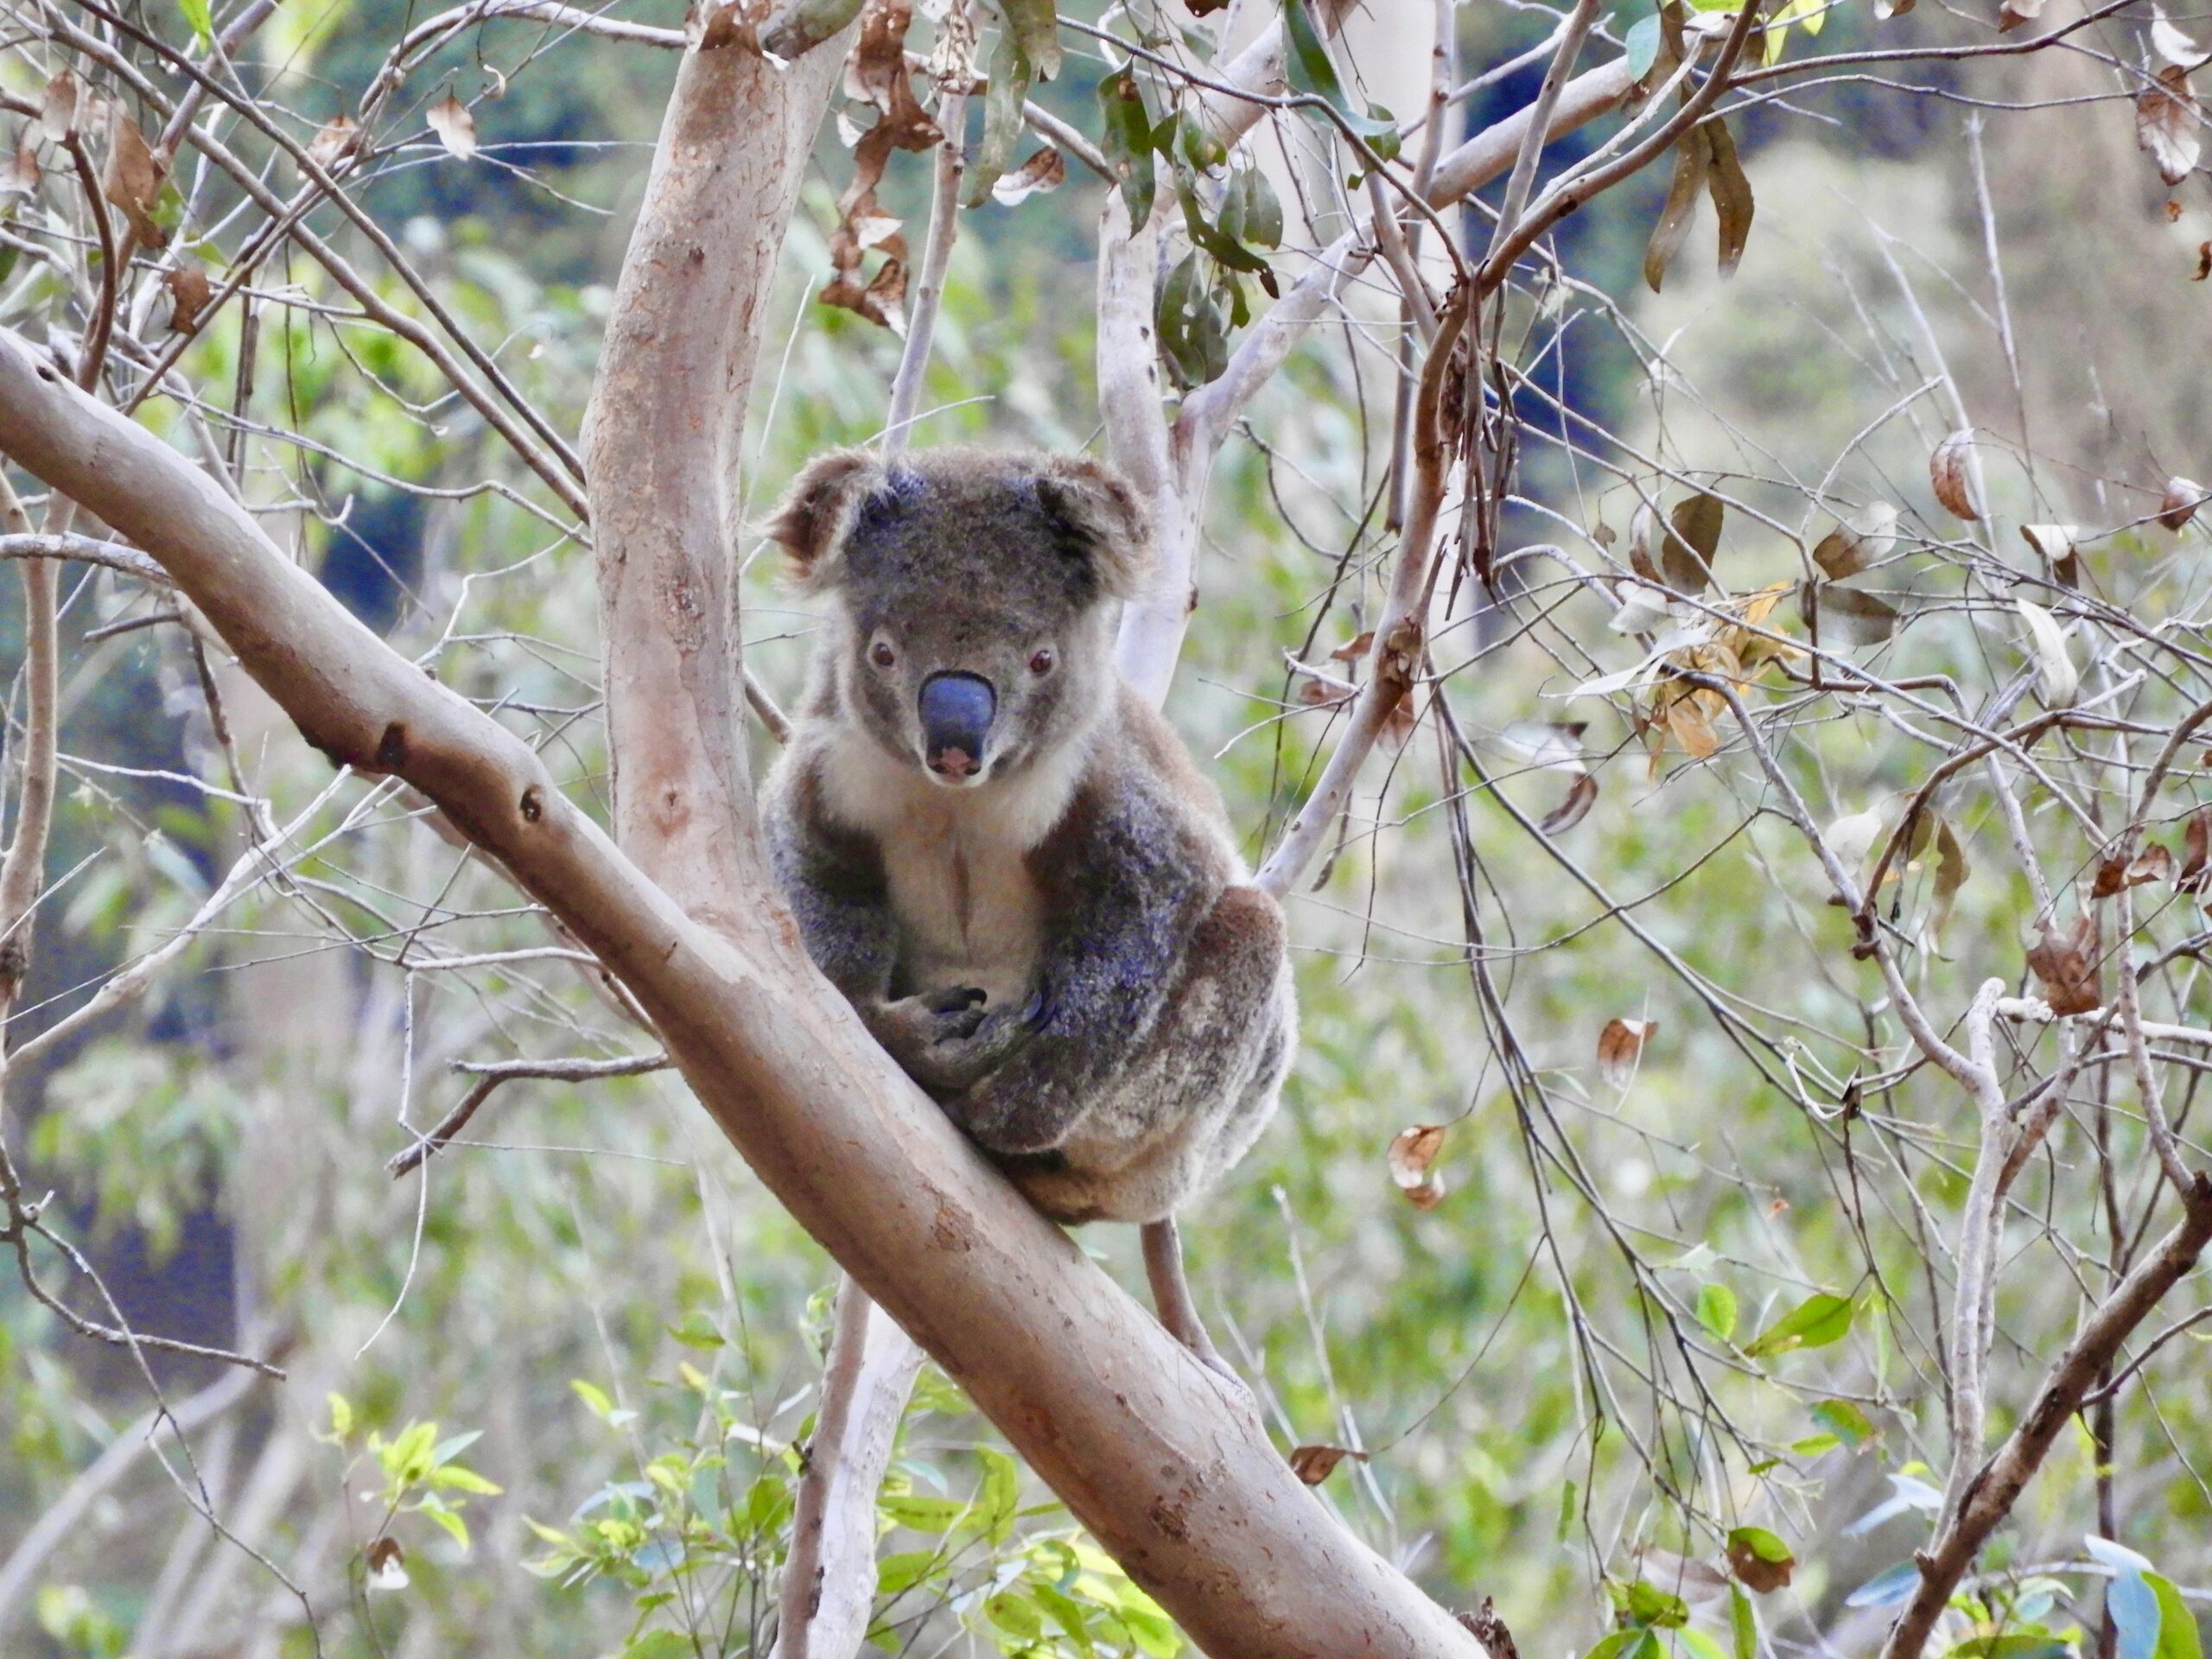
x=913 y=1028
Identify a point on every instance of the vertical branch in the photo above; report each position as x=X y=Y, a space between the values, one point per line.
x=662 y=447
x=937 y=254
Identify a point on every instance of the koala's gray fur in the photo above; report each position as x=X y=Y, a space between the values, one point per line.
x=1060 y=946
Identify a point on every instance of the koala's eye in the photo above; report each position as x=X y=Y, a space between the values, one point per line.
x=1041 y=661
x=881 y=655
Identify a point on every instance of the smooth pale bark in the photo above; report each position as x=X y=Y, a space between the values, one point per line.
x=1157 y=1456
x=661 y=457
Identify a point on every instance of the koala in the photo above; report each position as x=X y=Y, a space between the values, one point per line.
x=1004 y=856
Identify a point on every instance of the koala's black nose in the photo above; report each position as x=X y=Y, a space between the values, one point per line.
x=957 y=711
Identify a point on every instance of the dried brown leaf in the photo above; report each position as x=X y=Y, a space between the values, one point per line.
x=1731 y=189
x=1314 y=1464
x=337 y=141
x=2065 y=964
x=2195 y=872
x=1043 y=172
x=1413 y=1152
x=1886 y=10
x=132 y=179
x=1620 y=1045
x=1693 y=155
x=2168 y=122
x=2012 y=13
x=59 y=108
x=456 y=128
x=1757 y=1574
x=1354 y=649
x=2153 y=863
x=1687 y=558
x=189 y=292
x=876 y=74
x=2204 y=262
x=1581 y=795
x=19 y=172
x=2183 y=498
x=1853 y=545
x=1950 y=469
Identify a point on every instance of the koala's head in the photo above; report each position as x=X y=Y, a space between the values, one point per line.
x=975 y=596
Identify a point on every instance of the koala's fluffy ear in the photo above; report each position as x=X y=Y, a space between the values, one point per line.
x=1097 y=505
x=812 y=518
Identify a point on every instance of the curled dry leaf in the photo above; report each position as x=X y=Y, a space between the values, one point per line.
x=2060 y=679
x=1693 y=157
x=1044 y=171
x=1852 y=837
x=1848 y=616
x=455 y=127
x=1731 y=190
x=876 y=74
x=1620 y=1045
x=1951 y=872
x=337 y=142
x=1855 y=544
x=2179 y=503
x=1581 y=795
x=19 y=171
x=1314 y=1464
x=1644 y=542
x=2195 y=872
x=2056 y=542
x=2168 y=122
x=2204 y=262
x=2175 y=48
x=1950 y=469
x=2065 y=964
x=132 y=180
x=1687 y=558
x=59 y=108
x=1886 y=10
x=2012 y=13
x=2153 y=863
x=387 y=1564
x=1412 y=1158
x=1354 y=649
x=189 y=292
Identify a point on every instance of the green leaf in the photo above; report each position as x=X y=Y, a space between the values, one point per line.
x=2178 y=1638
x=595 y=1397
x=1846 y=1421
x=1699 y=1642
x=1731 y=190
x=1643 y=46
x=1813 y=1445
x=341 y=1416
x=1312 y=70
x=1011 y=72
x=1743 y=1623
x=445 y=1517
x=659 y=1644
x=1251 y=212
x=197 y=15
x=1035 y=28
x=457 y=1477
x=902 y=1572
x=1814 y=1323
x=1016 y=1615
x=932 y=1515
x=1128 y=133
x=696 y=1330
x=1693 y=154
x=1570 y=1503
x=1716 y=1309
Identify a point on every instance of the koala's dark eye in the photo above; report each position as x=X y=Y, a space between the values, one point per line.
x=881 y=655
x=1041 y=662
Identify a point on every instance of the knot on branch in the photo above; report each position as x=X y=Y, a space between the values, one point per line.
x=1491 y=1631
x=14 y=965
x=1398 y=662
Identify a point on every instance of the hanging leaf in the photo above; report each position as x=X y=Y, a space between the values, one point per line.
x=1251 y=212
x=1641 y=46
x=1035 y=26
x=2055 y=543
x=1411 y=1160
x=2179 y=503
x=1724 y=180
x=1815 y=1322
x=1716 y=1310
x=58 y=109
x=2167 y=122
x=1309 y=69
x=1315 y=1464
x=2012 y=13
x=1759 y=1559
x=1859 y=619
x=1951 y=872
x=1620 y=1047
x=1854 y=545
x=1043 y=173
x=1950 y=469
x=456 y=128
x=189 y=292
x=2153 y=863
x=336 y=139
x=1011 y=74
x=1686 y=557
x=2053 y=668
x=1581 y=795
x=19 y=170
x=1191 y=332
x=132 y=179
x=198 y=19
x=2065 y=964
x=2195 y=872
x=1693 y=157
x=1128 y=142
x=876 y=75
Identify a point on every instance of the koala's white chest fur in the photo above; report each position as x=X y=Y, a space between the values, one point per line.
x=957 y=865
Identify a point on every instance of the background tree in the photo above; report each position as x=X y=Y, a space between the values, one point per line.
x=1800 y=686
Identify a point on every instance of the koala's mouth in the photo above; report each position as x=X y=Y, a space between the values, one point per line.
x=957 y=711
